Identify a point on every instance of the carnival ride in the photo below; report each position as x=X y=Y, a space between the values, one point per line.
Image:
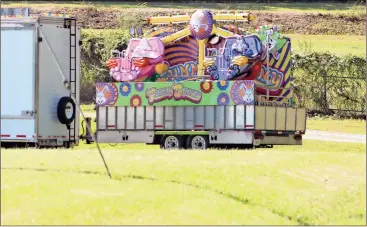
x=208 y=46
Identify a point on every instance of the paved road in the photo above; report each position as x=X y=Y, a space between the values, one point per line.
x=334 y=136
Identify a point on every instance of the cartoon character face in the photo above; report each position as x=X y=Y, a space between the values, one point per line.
x=247 y=92
x=101 y=95
x=196 y=25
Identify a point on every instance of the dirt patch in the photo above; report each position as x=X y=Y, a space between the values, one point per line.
x=302 y=23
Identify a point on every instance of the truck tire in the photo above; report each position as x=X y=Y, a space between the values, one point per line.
x=197 y=142
x=172 y=142
x=66 y=110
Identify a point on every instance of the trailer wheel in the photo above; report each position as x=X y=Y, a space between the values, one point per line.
x=66 y=110
x=197 y=142
x=172 y=142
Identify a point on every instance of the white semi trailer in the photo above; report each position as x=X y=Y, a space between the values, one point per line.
x=39 y=75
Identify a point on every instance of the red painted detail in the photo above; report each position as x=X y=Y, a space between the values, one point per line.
x=64 y=136
x=2 y=135
x=199 y=126
x=21 y=136
x=110 y=126
x=249 y=126
x=159 y=126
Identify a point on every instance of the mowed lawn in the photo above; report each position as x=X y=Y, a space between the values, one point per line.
x=341 y=126
x=317 y=183
x=337 y=44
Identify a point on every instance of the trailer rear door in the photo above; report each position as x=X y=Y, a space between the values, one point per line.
x=18 y=68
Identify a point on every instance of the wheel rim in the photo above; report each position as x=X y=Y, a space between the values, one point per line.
x=171 y=142
x=69 y=109
x=198 y=142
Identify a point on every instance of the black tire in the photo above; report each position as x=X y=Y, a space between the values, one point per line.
x=64 y=103
x=177 y=142
x=197 y=142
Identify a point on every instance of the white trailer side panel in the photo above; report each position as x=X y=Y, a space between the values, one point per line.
x=18 y=47
x=50 y=83
x=138 y=124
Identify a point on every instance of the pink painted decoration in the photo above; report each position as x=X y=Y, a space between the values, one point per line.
x=138 y=60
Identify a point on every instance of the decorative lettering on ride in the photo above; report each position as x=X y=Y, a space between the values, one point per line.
x=181 y=70
x=176 y=91
x=274 y=80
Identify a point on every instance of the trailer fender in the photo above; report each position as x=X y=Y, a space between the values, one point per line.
x=66 y=110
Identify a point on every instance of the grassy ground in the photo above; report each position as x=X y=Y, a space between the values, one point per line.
x=273 y=7
x=318 y=183
x=338 y=44
x=333 y=125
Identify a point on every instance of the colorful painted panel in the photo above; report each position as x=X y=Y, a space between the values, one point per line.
x=195 y=46
x=185 y=93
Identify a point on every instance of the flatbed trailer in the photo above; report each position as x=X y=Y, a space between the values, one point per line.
x=179 y=123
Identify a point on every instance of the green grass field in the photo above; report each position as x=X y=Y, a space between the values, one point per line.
x=317 y=183
x=342 y=126
x=338 y=44
x=273 y=7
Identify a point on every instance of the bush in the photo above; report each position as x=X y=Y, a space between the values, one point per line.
x=95 y=51
x=324 y=82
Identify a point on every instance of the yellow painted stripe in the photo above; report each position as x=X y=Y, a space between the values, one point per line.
x=288 y=85
x=282 y=55
x=286 y=62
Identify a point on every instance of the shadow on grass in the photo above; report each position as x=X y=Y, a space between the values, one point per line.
x=244 y=201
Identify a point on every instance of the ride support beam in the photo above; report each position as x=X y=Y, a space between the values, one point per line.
x=175 y=36
x=169 y=19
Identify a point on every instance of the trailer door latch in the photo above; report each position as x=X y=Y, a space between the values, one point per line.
x=28 y=113
x=39 y=39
